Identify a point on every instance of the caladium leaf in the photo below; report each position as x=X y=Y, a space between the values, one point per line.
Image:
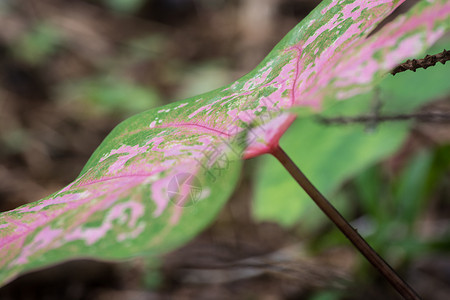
x=354 y=149
x=128 y=201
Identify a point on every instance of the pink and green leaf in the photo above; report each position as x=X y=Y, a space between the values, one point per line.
x=121 y=204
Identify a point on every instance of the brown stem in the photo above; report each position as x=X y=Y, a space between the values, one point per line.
x=427 y=61
x=430 y=117
x=394 y=279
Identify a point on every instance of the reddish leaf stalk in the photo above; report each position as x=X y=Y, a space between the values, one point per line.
x=357 y=240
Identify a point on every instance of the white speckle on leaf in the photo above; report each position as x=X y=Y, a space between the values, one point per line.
x=204 y=194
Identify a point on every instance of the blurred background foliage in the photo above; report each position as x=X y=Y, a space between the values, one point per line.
x=72 y=70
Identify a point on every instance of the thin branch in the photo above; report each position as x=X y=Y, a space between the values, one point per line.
x=384 y=268
x=429 y=117
x=427 y=61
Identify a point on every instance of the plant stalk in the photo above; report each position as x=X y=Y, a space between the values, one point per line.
x=358 y=241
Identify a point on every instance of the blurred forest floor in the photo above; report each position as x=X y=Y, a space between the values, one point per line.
x=70 y=71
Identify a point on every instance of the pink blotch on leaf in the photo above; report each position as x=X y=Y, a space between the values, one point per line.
x=116 y=213
x=42 y=240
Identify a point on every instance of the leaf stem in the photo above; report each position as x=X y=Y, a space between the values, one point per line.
x=358 y=241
